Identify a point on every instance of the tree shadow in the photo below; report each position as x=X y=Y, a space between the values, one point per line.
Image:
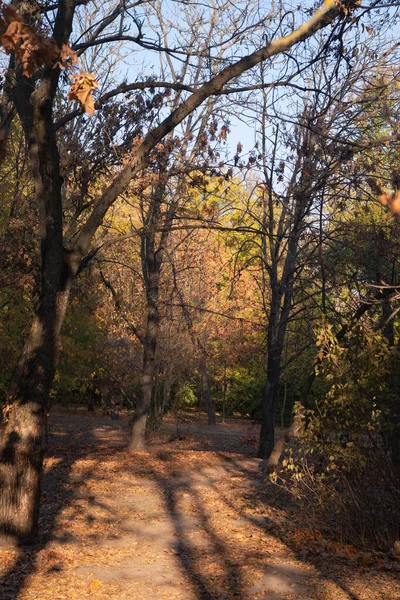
x=58 y=491
x=210 y=564
x=190 y=558
x=284 y=502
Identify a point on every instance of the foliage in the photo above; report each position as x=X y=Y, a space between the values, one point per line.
x=184 y=396
x=343 y=471
x=81 y=368
x=244 y=391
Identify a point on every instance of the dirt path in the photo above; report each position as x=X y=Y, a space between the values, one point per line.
x=190 y=519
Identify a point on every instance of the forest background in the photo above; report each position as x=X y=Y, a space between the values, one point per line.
x=149 y=261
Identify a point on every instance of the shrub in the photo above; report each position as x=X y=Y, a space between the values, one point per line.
x=344 y=471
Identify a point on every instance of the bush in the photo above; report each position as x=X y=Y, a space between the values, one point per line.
x=344 y=471
x=244 y=394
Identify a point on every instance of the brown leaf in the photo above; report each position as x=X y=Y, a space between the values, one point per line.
x=81 y=89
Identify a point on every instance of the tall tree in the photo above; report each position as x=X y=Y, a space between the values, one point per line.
x=33 y=93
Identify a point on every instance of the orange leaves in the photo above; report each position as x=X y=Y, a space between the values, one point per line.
x=66 y=57
x=81 y=90
x=34 y=48
x=392 y=201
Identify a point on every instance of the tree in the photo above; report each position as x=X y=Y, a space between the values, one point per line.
x=32 y=88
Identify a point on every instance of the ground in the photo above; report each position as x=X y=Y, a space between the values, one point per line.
x=192 y=518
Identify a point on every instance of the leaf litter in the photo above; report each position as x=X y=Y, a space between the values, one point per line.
x=185 y=520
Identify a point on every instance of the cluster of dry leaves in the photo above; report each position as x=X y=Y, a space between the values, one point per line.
x=33 y=48
x=82 y=86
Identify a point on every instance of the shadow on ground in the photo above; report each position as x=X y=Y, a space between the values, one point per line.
x=176 y=522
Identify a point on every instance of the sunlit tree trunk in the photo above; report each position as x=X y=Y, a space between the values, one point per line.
x=152 y=254
x=149 y=363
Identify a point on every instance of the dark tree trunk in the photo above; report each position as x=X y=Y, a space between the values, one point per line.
x=206 y=396
x=144 y=401
x=267 y=434
x=25 y=428
x=149 y=368
x=24 y=431
x=151 y=268
x=281 y=304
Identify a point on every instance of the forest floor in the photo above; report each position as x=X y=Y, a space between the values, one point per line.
x=192 y=518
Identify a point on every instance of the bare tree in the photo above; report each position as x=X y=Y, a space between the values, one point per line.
x=33 y=96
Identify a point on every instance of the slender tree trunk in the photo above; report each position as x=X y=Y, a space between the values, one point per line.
x=284 y=404
x=206 y=395
x=152 y=269
x=277 y=325
x=165 y=396
x=148 y=372
x=144 y=402
x=267 y=434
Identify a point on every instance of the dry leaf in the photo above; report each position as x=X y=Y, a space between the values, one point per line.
x=81 y=89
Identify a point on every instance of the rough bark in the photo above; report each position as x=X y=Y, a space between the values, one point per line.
x=24 y=432
x=206 y=395
x=267 y=434
x=149 y=365
x=137 y=442
x=152 y=260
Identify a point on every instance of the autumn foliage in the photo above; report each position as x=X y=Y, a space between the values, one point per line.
x=34 y=48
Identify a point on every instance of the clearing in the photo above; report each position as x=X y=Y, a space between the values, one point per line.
x=193 y=518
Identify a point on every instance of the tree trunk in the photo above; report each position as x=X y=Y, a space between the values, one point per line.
x=267 y=434
x=166 y=396
x=144 y=402
x=149 y=354
x=206 y=395
x=284 y=404
x=24 y=433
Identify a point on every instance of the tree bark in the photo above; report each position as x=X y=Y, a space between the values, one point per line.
x=149 y=365
x=267 y=434
x=24 y=433
x=206 y=395
x=152 y=260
